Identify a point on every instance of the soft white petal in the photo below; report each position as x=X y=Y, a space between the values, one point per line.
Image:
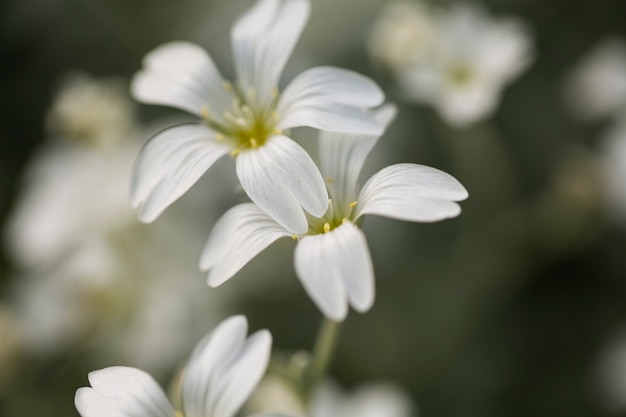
x=224 y=369
x=411 y=192
x=336 y=268
x=238 y=236
x=122 y=391
x=332 y=99
x=201 y=382
x=282 y=179
x=342 y=156
x=182 y=75
x=244 y=375
x=169 y=164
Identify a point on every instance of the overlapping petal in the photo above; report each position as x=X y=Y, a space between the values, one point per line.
x=238 y=236
x=262 y=41
x=333 y=99
x=224 y=369
x=121 y=392
x=342 y=156
x=411 y=192
x=170 y=163
x=335 y=269
x=282 y=179
x=182 y=75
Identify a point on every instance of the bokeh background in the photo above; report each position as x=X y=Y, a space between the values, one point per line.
x=515 y=308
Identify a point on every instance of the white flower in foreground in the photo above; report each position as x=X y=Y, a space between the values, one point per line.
x=332 y=259
x=222 y=372
x=597 y=87
x=248 y=120
x=473 y=57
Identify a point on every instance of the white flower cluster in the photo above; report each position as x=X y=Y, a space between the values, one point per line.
x=250 y=120
x=457 y=59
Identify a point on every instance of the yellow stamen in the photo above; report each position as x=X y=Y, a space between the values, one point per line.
x=277 y=131
x=228 y=86
x=294 y=236
x=179 y=414
x=326 y=227
x=329 y=180
x=219 y=137
x=344 y=220
x=353 y=204
x=204 y=112
x=234 y=152
x=254 y=143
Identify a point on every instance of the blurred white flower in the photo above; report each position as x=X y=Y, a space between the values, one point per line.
x=223 y=370
x=376 y=399
x=597 y=87
x=463 y=71
x=332 y=259
x=610 y=376
x=248 y=120
x=91 y=110
x=89 y=274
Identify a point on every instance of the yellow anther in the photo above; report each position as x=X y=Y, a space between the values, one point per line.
x=329 y=180
x=326 y=227
x=353 y=204
x=219 y=137
x=277 y=131
x=234 y=152
x=294 y=236
x=228 y=86
x=178 y=414
x=204 y=112
x=254 y=143
x=344 y=220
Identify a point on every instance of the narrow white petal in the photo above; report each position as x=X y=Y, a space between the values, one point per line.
x=182 y=75
x=332 y=99
x=282 y=179
x=201 y=380
x=224 y=369
x=342 y=156
x=169 y=164
x=336 y=268
x=238 y=236
x=411 y=192
x=122 y=391
x=243 y=376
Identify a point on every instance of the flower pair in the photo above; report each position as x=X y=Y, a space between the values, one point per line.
x=290 y=196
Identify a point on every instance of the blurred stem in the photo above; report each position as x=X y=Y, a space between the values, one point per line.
x=321 y=358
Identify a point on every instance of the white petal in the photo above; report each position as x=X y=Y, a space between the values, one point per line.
x=262 y=41
x=281 y=178
x=224 y=369
x=182 y=75
x=342 y=156
x=332 y=99
x=244 y=375
x=238 y=236
x=336 y=268
x=122 y=391
x=411 y=192
x=169 y=164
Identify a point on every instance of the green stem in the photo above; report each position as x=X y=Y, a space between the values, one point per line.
x=321 y=358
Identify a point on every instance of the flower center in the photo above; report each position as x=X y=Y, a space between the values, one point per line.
x=460 y=74
x=334 y=217
x=247 y=124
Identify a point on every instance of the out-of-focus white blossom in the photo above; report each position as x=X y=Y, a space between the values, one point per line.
x=376 y=399
x=610 y=376
x=92 y=110
x=613 y=165
x=597 y=87
x=463 y=67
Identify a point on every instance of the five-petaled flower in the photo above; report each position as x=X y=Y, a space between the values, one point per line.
x=248 y=119
x=332 y=259
x=222 y=372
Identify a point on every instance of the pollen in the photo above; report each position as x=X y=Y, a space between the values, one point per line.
x=353 y=204
x=326 y=227
x=345 y=219
x=294 y=236
x=235 y=152
x=178 y=414
x=204 y=112
x=254 y=143
x=219 y=137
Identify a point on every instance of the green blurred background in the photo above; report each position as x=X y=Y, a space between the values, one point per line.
x=506 y=310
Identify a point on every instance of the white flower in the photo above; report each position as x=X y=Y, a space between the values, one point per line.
x=613 y=159
x=332 y=259
x=223 y=370
x=472 y=58
x=597 y=87
x=248 y=120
